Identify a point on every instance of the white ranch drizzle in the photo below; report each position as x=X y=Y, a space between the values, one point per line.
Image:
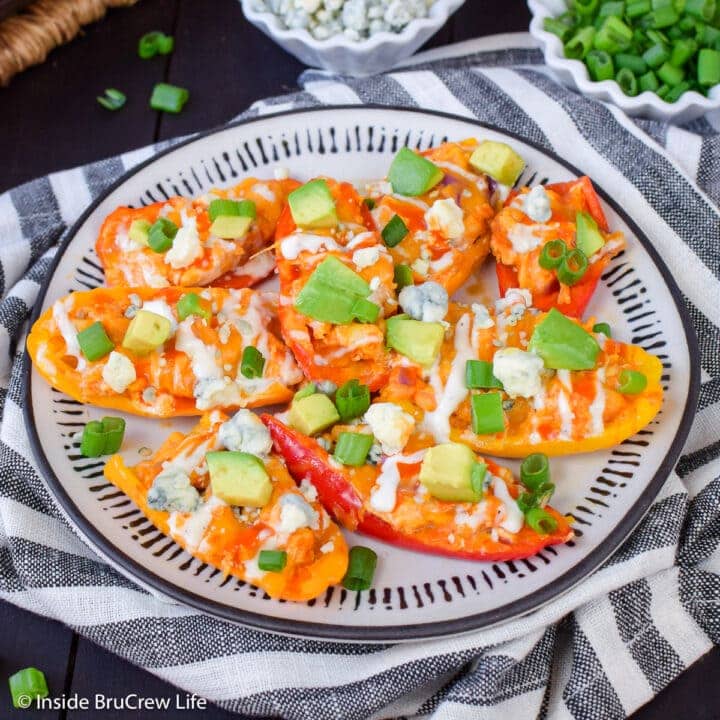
x=294 y=244
x=68 y=331
x=195 y=525
x=437 y=422
x=597 y=407
x=384 y=495
x=514 y=519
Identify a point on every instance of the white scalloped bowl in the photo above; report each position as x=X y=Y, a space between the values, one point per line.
x=348 y=57
x=574 y=74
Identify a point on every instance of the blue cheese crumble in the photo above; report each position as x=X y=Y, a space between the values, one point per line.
x=356 y=19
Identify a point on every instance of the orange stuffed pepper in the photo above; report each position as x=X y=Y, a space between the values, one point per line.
x=222 y=495
x=510 y=380
x=434 y=212
x=165 y=352
x=439 y=499
x=187 y=242
x=336 y=284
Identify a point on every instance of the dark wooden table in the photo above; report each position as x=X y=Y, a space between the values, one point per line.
x=50 y=121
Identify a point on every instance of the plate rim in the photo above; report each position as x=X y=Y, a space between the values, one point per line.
x=360 y=633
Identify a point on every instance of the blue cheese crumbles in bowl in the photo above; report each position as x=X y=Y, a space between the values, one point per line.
x=351 y=37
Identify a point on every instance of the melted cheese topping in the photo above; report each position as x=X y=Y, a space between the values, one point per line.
x=293 y=245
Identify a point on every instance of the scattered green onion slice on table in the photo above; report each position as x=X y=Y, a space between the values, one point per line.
x=552 y=254
x=94 y=342
x=252 y=363
x=27 y=684
x=155 y=43
x=168 y=98
x=353 y=448
x=352 y=400
x=631 y=382
x=361 y=568
x=535 y=471
x=113 y=99
x=573 y=267
x=272 y=560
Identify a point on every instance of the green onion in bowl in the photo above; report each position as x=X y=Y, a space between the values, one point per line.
x=667 y=47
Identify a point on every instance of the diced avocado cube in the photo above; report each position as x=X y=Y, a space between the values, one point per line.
x=446 y=472
x=147 y=332
x=331 y=292
x=223 y=206
x=563 y=344
x=239 y=478
x=139 y=231
x=587 y=237
x=498 y=160
x=313 y=414
x=230 y=227
x=420 y=341
x=313 y=206
x=411 y=174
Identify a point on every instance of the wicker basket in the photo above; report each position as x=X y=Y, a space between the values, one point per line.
x=28 y=36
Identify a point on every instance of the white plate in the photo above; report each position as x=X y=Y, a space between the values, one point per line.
x=414 y=595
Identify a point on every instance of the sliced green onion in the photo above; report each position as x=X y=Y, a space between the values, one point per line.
x=223 y=207
x=656 y=55
x=478 y=475
x=573 y=267
x=94 y=342
x=27 y=685
x=252 y=362
x=600 y=65
x=541 y=521
x=634 y=63
x=191 y=304
x=535 y=471
x=361 y=568
x=580 y=44
x=631 y=382
x=662 y=91
x=365 y=311
x=161 y=235
x=102 y=437
x=394 y=232
x=352 y=400
x=613 y=36
x=155 y=43
x=487 y=413
x=674 y=93
x=168 y=98
x=603 y=328
x=670 y=75
x=709 y=36
x=272 y=560
x=479 y=375
x=657 y=37
x=114 y=428
x=648 y=81
x=627 y=82
x=552 y=254
x=353 y=448
x=708 y=69
x=92 y=443
x=309 y=389
x=112 y=99
x=585 y=7
x=557 y=27
x=613 y=7
x=403 y=276
x=636 y=8
x=663 y=17
x=369 y=203
x=682 y=51
x=703 y=9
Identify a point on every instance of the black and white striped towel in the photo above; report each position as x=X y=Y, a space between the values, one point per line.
x=600 y=651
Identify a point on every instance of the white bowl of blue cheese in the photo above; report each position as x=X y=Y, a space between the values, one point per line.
x=350 y=37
